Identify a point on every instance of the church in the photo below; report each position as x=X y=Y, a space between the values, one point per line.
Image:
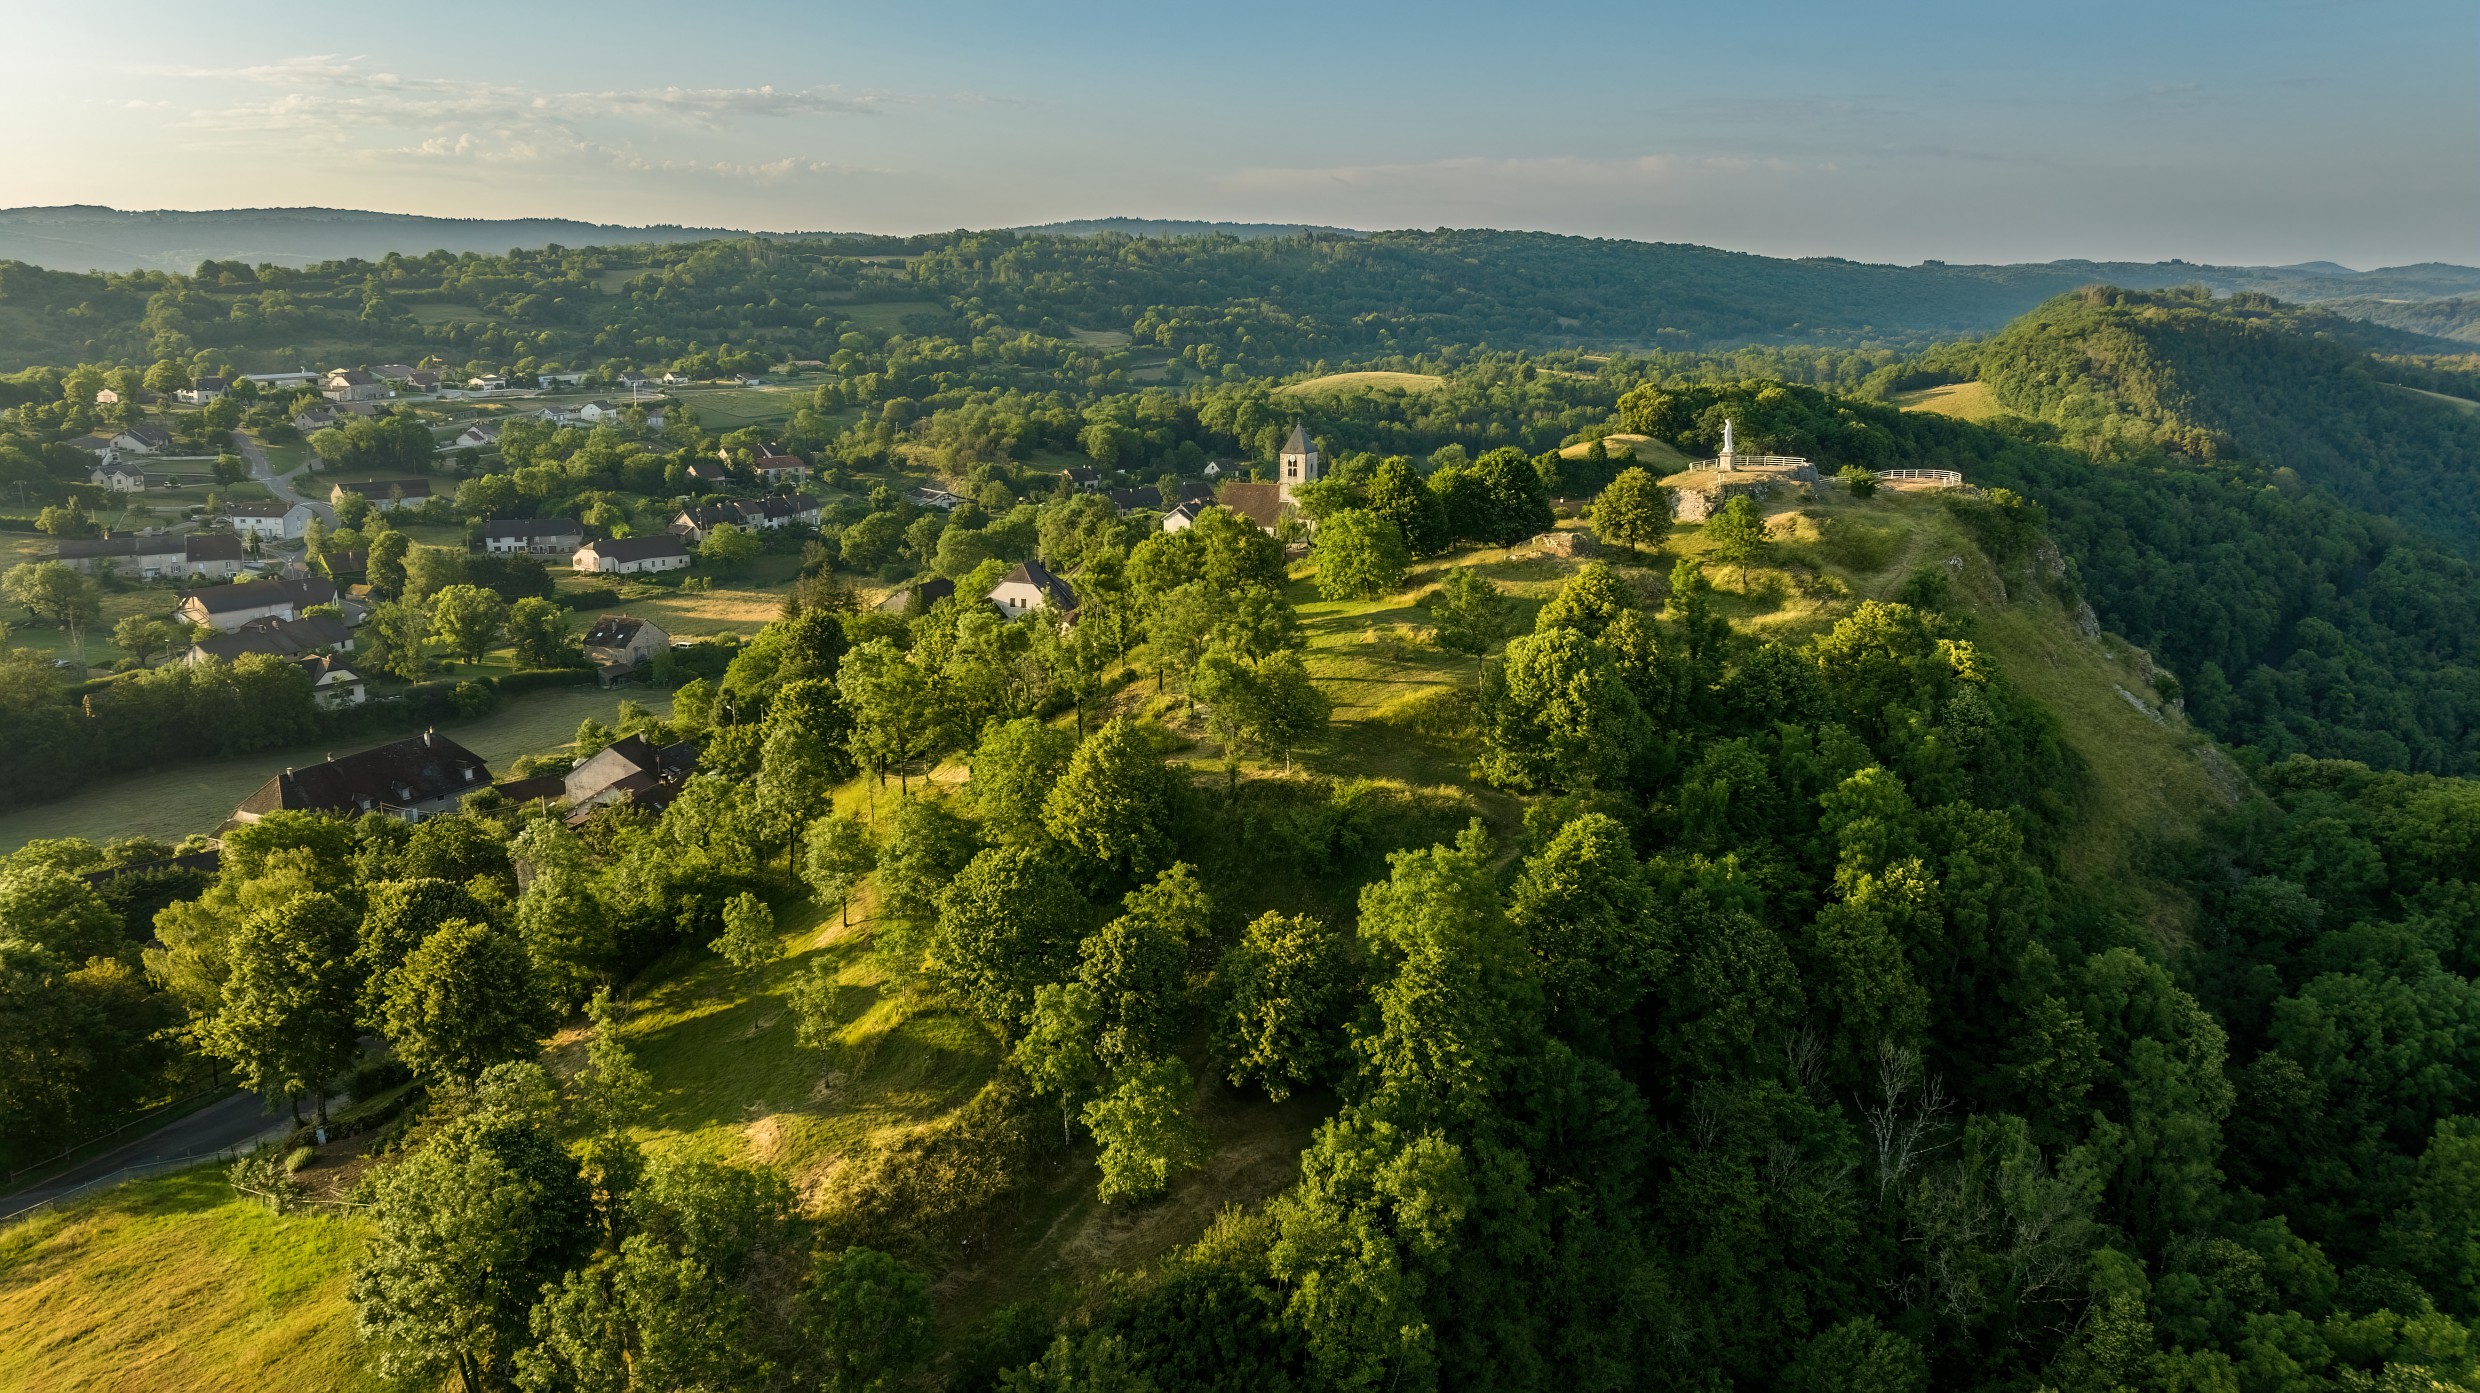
x=1298 y=464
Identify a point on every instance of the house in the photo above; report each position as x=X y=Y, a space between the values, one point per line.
x=1081 y=477
x=1298 y=463
x=559 y=415
x=367 y=410
x=107 y=397
x=142 y=440
x=749 y=379
x=481 y=435
x=677 y=379
x=488 y=382
x=1214 y=469
x=628 y=556
x=316 y=418
x=1184 y=517
x=386 y=495
x=283 y=521
x=410 y=779
x=598 y=412
x=908 y=600
x=309 y=635
x=934 y=498
x=532 y=536
x=212 y=555
x=1029 y=586
x=705 y=472
x=654 y=416
x=333 y=686
x=117 y=478
x=1259 y=503
x=422 y=380
x=394 y=372
x=203 y=390
x=281 y=379
x=353 y=384
x=100 y=446
x=784 y=509
x=229 y=607
x=619 y=645
x=558 y=379
x=699 y=523
x=775 y=468
x=634 y=381
x=353 y=561
x=145 y=555
x=631 y=769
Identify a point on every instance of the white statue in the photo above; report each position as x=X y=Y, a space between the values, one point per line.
x=1725 y=462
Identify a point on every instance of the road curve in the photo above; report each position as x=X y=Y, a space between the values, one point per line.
x=264 y=472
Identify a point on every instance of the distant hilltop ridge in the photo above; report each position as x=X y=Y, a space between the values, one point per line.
x=83 y=237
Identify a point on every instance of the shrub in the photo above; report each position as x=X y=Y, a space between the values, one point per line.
x=298 y=1159
x=928 y=1188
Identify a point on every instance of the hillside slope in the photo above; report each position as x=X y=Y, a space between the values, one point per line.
x=84 y=237
x=2248 y=381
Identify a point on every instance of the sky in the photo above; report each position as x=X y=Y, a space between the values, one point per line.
x=2233 y=132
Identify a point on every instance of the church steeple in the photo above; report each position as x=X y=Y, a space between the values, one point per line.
x=1299 y=462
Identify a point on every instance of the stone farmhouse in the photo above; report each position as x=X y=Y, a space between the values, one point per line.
x=619 y=646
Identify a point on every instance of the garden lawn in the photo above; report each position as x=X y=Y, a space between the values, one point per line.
x=177 y=1284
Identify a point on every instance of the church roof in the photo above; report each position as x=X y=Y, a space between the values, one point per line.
x=1299 y=443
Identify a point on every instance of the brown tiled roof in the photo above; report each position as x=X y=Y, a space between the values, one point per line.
x=1259 y=503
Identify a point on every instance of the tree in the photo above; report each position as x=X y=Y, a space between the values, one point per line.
x=1467 y=613
x=748 y=941
x=538 y=630
x=796 y=777
x=613 y=1090
x=166 y=377
x=729 y=548
x=889 y=698
x=65 y=520
x=465 y=1233
x=1634 y=512
x=1558 y=714
x=1361 y=555
x=1137 y=966
x=1398 y=493
x=54 y=591
x=1516 y=504
x=869 y=1320
x=1737 y=532
x=47 y=908
x=1584 y=910
x=394 y=640
x=1859 y=480
x=1116 y=804
x=1013 y=770
x=1007 y=923
x=386 y=563
x=841 y=852
x=1057 y=1055
x=1456 y=993
x=466 y=999
x=143 y=638
x=468 y=619
x=1290 y=710
x=1143 y=1127
x=1285 y=990
x=288 y=1020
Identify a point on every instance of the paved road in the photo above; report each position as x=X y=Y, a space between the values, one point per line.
x=229 y=1121
x=263 y=470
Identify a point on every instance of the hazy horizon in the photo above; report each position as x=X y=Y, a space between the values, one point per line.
x=2217 y=132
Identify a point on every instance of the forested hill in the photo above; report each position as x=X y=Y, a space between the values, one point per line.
x=79 y=237
x=2248 y=381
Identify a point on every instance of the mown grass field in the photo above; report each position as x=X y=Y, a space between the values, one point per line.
x=1966 y=401
x=1660 y=455
x=176 y=1284
x=1364 y=382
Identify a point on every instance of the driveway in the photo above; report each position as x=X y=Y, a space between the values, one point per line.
x=229 y=1121
x=264 y=471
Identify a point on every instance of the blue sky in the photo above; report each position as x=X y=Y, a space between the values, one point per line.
x=2271 y=131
